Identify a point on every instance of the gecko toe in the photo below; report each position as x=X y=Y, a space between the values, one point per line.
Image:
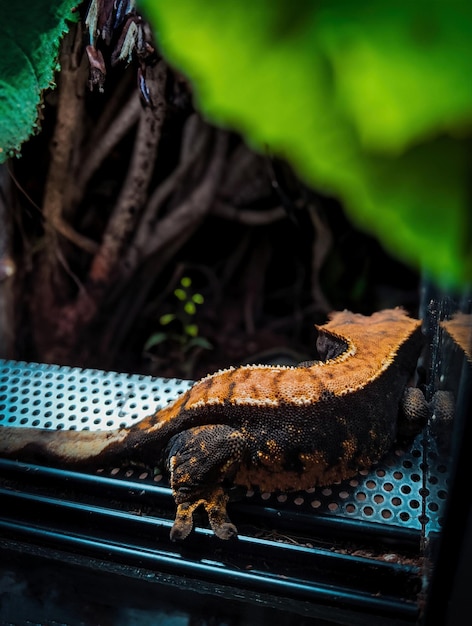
x=183 y=523
x=225 y=531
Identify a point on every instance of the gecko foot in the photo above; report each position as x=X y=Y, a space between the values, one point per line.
x=214 y=504
x=200 y=460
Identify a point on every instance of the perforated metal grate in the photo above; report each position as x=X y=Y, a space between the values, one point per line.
x=50 y=396
x=394 y=492
x=407 y=489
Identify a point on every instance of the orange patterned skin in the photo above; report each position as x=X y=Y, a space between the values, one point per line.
x=276 y=428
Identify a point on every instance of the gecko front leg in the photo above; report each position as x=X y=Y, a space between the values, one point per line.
x=199 y=461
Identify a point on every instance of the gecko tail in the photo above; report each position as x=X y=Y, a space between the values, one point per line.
x=69 y=448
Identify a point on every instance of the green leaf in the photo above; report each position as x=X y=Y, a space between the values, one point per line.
x=191 y=330
x=198 y=298
x=189 y=307
x=180 y=294
x=30 y=33
x=370 y=101
x=154 y=340
x=186 y=282
x=198 y=342
x=167 y=318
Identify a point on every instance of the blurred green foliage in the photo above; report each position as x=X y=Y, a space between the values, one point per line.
x=370 y=101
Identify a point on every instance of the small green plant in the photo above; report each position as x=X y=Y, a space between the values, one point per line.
x=180 y=328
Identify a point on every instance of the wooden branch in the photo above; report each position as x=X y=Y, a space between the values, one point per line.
x=246 y=178
x=171 y=233
x=80 y=313
x=250 y=217
x=7 y=269
x=102 y=145
x=245 y=183
x=135 y=187
x=69 y=110
x=195 y=137
x=185 y=217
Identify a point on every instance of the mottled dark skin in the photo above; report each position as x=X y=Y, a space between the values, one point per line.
x=277 y=428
